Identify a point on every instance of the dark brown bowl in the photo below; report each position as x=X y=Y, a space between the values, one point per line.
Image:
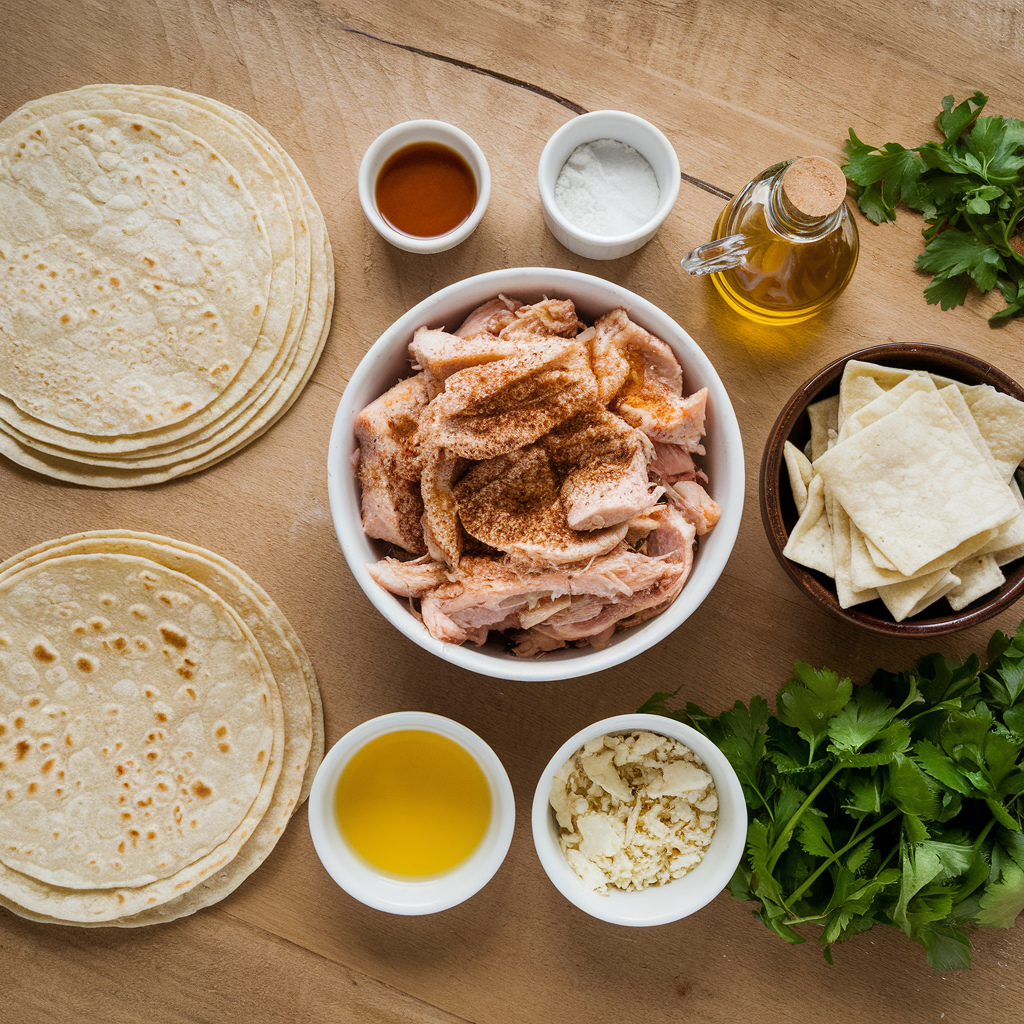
x=779 y=515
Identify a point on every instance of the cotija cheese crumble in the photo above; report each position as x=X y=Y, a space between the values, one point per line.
x=634 y=809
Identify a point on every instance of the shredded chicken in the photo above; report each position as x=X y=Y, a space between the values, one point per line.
x=544 y=474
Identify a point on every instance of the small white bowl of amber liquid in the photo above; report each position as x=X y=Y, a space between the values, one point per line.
x=424 y=186
x=411 y=813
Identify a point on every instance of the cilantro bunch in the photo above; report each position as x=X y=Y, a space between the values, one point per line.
x=898 y=802
x=970 y=190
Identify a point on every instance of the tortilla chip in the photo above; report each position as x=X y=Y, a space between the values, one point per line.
x=824 y=416
x=800 y=474
x=810 y=543
x=911 y=597
x=979 y=575
x=914 y=483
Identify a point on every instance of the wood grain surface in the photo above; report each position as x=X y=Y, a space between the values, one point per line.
x=736 y=85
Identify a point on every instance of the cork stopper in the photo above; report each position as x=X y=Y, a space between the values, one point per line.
x=814 y=187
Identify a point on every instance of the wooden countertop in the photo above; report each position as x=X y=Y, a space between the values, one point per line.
x=736 y=85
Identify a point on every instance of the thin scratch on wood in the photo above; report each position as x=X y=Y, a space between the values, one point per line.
x=713 y=189
x=476 y=69
x=519 y=84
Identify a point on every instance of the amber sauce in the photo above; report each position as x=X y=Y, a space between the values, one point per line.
x=782 y=281
x=425 y=190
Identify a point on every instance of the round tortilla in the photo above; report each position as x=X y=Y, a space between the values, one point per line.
x=141 y=719
x=137 y=272
x=303 y=724
x=265 y=390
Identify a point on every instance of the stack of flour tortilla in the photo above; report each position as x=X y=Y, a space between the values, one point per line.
x=907 y=489
x=166 y=284
x=160 y=723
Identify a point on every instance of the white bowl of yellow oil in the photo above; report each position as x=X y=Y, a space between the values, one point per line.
x=411 y=813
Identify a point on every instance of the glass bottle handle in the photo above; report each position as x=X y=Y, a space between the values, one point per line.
x=721 y=254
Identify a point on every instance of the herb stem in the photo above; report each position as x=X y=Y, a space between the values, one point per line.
x=780 y=844
x=839 y=853
x=982 y=834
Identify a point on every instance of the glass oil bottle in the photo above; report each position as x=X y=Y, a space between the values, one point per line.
x=785 y=246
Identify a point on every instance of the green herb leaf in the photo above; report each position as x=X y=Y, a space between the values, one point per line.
x=809 y=700
x=955 y=252
x=970 y=190
x=954 y=119
x=897 y=803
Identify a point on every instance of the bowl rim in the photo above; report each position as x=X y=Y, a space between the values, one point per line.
x=770 y=486
x=708 y=565
x=408 y=133
x=410 y=897
x=660 y=904
x=547 y=174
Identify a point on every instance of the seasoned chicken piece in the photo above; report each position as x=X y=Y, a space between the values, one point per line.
x=386 y=428
x=489 y=594
x=549 y=316
x=439 y=354
x=577 y=622
x=441 y=530
x=696 y=505
x=392 y=508
x=674 y=537
x=603 y=465
x=492 y=317
x=679 y=421
x=648 y=389
x=672 y=463
x=408 y=579
x=607 y=346
x=388 y=465
x=490 y=410
x=513 y=503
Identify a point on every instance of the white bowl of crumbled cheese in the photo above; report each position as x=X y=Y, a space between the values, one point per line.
x=607 y=181
x=639 y=820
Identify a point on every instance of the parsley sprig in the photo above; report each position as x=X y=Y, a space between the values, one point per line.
x=899 y=802
x=970 y=190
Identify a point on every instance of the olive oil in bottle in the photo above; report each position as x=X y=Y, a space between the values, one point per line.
x=785 y=246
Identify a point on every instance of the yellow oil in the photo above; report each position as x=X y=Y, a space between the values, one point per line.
x=782 y=281
x=413 y=803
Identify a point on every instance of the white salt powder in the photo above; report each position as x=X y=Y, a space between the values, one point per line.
x=607 y=188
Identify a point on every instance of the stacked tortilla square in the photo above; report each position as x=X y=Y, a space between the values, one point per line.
x=166 y=284
x=160 y=723
x=907 y=489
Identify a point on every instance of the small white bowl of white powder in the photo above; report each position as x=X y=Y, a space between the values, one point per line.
x=607 y=182
x=639 y=820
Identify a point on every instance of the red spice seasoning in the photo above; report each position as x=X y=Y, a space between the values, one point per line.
x=425 y=189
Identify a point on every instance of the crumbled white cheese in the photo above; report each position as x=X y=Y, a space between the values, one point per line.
x=633 y=810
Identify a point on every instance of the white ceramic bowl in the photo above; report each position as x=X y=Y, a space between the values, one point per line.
x=388 y=361
x=399 y=896
x=657 y=904
x=607 y=124
x=406 y=134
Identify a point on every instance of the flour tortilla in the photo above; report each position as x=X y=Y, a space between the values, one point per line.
x=137 y=272
x=299 y=691
x=239 y=416
x=157 y=723
x=281 y=205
